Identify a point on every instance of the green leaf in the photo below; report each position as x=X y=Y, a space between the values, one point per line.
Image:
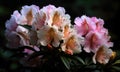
x=116 y=68
x=27 y=26
x=66 y=61
x=88 y=61
x=7 y=54
x=91 y=66
x=116 y=62
x=79 y=59
x=14 y=66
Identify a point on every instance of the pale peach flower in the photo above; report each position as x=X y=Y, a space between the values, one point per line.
x=49 y=35
x=102 y=55
x=27 y=14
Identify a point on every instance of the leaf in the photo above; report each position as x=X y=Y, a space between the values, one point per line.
x=116 y=62
x=27 y=26
x=88 y=61
x=91 y=66
x=79 y=59
x=13 y=66
x=7 y=54
x=66 y=62
x=116 y=68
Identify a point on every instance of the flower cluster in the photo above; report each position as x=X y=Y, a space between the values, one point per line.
x=50 y=26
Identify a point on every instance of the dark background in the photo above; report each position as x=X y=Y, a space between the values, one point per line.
x=106 y=9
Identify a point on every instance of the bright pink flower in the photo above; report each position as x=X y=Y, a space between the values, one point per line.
x=98 y=22
x=94 y=40
x=84 y=24
x=93 y=31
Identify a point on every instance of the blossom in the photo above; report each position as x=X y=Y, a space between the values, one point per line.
x=52 y=25
x=72 y=44
x=27 y=14
x=16 y=35
x=102 y=55
x=83 y=25
x=50 y=28
x=10 y=33
x=93 y=31
x=49 y=35
x=94 y=40
x=39 y=20
x=55 y=16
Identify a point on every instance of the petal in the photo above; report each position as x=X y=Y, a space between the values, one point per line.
x=39 y=21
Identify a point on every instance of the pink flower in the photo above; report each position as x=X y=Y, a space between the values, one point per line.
x=94 y=40
x=93 y=31
x=98 y=22
x=83 y=25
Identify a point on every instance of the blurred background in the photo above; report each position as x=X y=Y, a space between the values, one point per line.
x=108 y=10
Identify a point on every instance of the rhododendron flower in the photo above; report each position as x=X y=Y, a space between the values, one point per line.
x=55 y=16
x=102 y=55
x=27 y=14
x=48 y=30
x=49 y=35
x=72 y=44
x=16 y=34
x=93 y=31
x=94 y=40
x=84 y=24
x=10 y=33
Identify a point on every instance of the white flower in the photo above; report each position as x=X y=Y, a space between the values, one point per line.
x=49 y=35
x=27 y=14
x=72 y=44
